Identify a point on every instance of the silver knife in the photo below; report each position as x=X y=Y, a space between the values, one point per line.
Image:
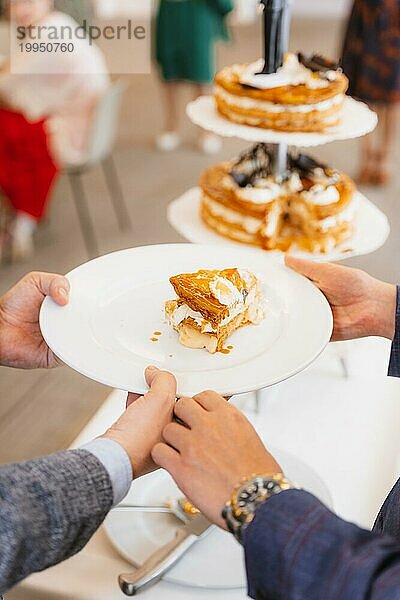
x=159 y=563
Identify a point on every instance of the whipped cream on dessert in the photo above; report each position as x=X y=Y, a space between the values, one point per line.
x=225 y=292
x=248 y=277
x=292 y=72
x=182 y=312
x=294 y=183
x=319 y=175
x=262 y=192
x=321 y=196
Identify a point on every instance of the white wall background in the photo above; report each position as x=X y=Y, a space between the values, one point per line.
x=246 y=8
x=327 y=8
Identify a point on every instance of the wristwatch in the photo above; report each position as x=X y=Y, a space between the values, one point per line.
x=248 y=496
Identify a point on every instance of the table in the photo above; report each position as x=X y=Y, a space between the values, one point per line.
x=346 y=429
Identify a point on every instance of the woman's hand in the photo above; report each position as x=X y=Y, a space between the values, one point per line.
x=211 y=450
x=21 y=343
x=361 y=305
x=141 y=425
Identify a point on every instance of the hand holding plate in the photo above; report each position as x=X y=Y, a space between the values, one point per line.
x=214 y=449
x=361 y=305
x=21 y=342
x=141 y=425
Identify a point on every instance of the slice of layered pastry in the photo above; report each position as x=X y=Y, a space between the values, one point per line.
x=211 y=305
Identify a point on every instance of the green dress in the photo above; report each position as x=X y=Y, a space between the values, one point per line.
x=186 y=32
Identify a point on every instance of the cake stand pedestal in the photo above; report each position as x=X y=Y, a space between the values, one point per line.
x=280 y=160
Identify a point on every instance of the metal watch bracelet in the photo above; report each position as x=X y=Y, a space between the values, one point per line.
x=248 y=496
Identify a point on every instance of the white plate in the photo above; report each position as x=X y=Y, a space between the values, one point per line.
x=357 y=120
x=371 y=229
x=117 y=304
x=216 y=562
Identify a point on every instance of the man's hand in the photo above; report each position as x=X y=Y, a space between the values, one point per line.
x=141 y=426
x=361 y=305
x=21 y=343
x=209 y=456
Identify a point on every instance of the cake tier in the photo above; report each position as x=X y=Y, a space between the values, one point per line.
x=305 y=217
x=292 y=108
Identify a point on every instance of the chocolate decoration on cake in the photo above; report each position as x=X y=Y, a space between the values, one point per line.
x=309 y=168
x=258 y=163
x=318 y=63
x=254 y=163
x=274 y=34
x=305 y=164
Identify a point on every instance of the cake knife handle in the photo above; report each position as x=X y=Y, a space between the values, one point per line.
x=158 y=563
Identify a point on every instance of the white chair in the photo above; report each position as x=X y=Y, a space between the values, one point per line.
x=101 y=142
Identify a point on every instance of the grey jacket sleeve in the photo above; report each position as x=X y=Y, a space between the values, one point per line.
x=49 y=509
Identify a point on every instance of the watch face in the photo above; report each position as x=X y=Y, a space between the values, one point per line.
x=240 y=511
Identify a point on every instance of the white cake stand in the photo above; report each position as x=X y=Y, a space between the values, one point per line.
x=357 y=120
x=371 y=225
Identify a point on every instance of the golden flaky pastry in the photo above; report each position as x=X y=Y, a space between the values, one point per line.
x=212 y=304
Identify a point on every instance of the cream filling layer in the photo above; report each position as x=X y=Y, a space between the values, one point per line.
x=253 y=104
x=183 y=312
x=325 y=225
x=260 y=195
x=346 y=216
x=249 y=224
x=319 y=195
x=257 y=121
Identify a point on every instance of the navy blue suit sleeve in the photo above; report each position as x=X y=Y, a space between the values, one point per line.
x=388 y=520
x=296 y=549
x=394 y=365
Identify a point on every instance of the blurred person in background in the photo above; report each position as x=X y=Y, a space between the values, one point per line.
x=47 y=100
x=186 y=34
x=371 y=60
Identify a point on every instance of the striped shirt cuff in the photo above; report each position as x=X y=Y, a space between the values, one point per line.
x=117 y=464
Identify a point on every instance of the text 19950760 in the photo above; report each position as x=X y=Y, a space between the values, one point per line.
x=49 y=47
